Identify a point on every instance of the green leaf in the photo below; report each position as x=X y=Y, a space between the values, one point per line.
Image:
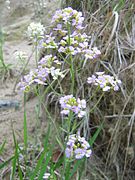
x=67 y=173
x=44 y=165
x=77 y=164
x=16 y=160
x=92 y=140
x=42 y=156
x=59 y=162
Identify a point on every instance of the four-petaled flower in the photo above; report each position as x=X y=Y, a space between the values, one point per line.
x=105 y=82
x=77 y=147
x=71 y=104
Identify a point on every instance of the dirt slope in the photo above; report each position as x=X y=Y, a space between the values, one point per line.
x=14 y=22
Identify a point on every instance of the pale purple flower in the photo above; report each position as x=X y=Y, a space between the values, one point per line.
x=59 y=26
x=62 y=49
x=77 y=147
x=116 y=88
x=65 y=112
x=81 y=114
x=106 y=88
x=79 y=153
x=92 y=79
x=105 y=82
x=68 y=152
x=48 y=42
x=71 y=104
x=68 y=16
x=88 y=153
x=41 y=73
x=92 y=53
x=48 y=60
x=81 y=103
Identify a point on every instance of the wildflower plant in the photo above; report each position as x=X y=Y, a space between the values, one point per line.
x=65 y=41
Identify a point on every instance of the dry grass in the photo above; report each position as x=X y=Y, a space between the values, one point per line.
x=111 y=25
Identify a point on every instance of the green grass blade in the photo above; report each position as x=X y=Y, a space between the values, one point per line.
x=94 y=137
x=39 y=163
x=2 y=147
x=47 y=138
x=59 y=162
x=67 y=173
x=16 y=160
x=44 y=166
x=6 y=162
x=76 y=166
x=25 y=124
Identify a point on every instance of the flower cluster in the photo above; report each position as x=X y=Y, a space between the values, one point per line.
x=37 y=76
x=73 y=44
x=66 y=36
x=35 y=31
x=77 y=147
x=20 y=55
x=48 y=42
x=92 y=53
x=105 y=82
x=48 y=60
x=65 y=17
x=71 y=104
x=40 y=75
x=77 y=43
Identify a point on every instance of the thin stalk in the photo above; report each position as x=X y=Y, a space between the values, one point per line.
x=72 y=75
x=48 y=113
x=36 y=54
x=69 y=122
x=1 y=50
x=97 y=102
x=71 y=61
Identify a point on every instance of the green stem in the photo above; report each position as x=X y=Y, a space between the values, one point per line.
x=36 y=53
x=69 y=122
x=72 y=75
x=71 y=61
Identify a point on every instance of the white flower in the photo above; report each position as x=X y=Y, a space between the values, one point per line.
x=81 y=114
x=35 y=31
x=81 y=103
x=46 y=175
x=20 y=55
x=55 y=73
x=106 y=88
